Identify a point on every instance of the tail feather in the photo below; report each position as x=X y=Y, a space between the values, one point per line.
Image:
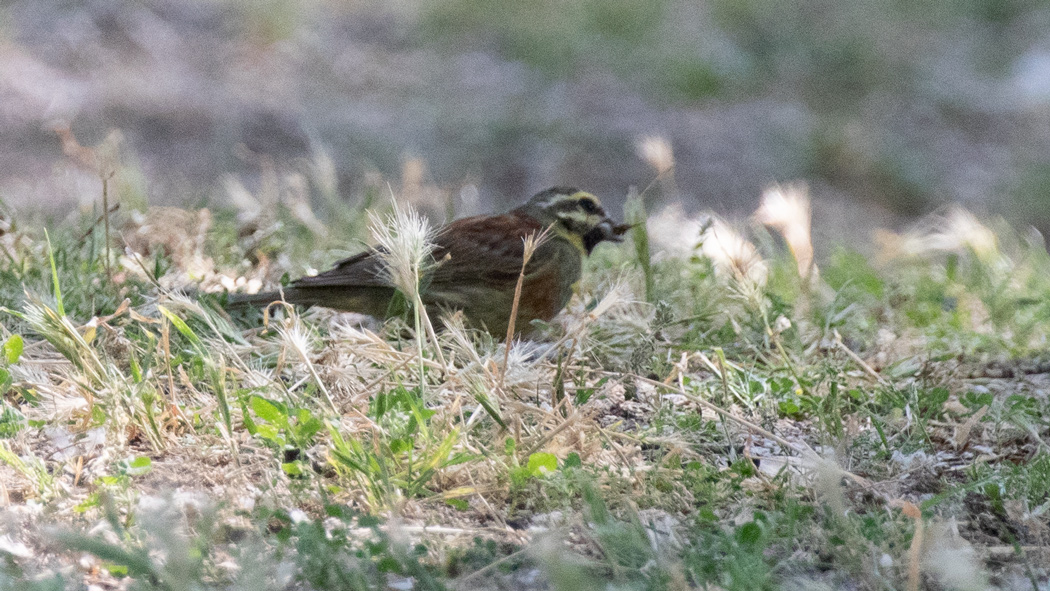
x=370 y=300
x=242 y=301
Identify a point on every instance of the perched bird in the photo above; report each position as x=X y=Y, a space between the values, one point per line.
x=476 y=264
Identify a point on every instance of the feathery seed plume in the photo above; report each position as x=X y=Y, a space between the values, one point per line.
x=656 y=151
x=405 y=246
x=786 y=208
x=732 y=254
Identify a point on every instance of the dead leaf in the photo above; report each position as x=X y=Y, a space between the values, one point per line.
x=962 y=432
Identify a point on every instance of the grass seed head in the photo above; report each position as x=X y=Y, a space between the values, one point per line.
x=656 y=151
x=733 y=255
x=786 y=208
x=405 y=245
x=956 y=230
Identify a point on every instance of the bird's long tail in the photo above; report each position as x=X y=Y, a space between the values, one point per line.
x=242 y=301
x=370 y=300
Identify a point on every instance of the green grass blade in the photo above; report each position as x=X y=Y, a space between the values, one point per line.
x=54 y=275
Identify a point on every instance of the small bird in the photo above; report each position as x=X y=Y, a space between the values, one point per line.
x=477 y=261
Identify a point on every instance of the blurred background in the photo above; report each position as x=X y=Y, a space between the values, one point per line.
x=887 y=109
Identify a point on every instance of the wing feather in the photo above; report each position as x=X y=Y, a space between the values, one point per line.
x=486 y=249
x=480 y=249
x=361 y=270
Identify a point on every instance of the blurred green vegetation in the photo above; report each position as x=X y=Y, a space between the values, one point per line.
x=902 y=105
x=832 y=53
x=562 y=39
x=860 y=68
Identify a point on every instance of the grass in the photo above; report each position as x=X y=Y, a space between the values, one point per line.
x=708 y=419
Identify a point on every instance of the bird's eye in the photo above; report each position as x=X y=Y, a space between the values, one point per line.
x=589 y=206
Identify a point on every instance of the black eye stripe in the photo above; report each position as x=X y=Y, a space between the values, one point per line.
x=585 y=204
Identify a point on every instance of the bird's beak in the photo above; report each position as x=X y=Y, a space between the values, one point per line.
x=606 y=230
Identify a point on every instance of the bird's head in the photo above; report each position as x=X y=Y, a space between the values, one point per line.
x=576 y=216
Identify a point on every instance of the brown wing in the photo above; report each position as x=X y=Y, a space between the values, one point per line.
x=482 y=249
x=361 y=270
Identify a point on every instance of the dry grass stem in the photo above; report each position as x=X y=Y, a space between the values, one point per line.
x=102 y=160
x=297 y=339
x=502 y=437
x=860 y=362
x=531 y=243
x=405 y=245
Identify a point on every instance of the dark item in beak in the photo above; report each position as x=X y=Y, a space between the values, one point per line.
x=605 y=231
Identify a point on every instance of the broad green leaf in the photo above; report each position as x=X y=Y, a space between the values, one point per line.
x=11 y=421
x=140 y=465
x=269 y=433
x=13 y=349
x=458 y=504
x=309 y=429
x=573 y=461
x=269 y=412
x=541 y=463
